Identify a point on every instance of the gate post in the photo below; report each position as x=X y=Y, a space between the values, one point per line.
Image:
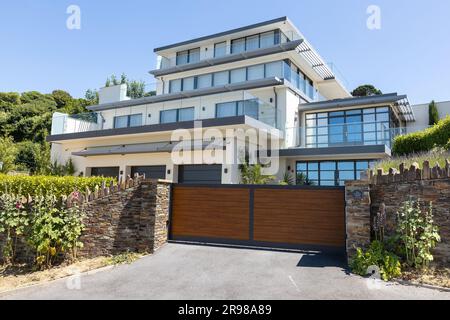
x=357 y=214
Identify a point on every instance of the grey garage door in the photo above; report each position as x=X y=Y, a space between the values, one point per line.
x=200 y=174
x=151 y=172
x=105 y=172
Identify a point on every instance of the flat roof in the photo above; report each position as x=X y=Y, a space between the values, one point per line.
x=402 y=104
x=221 y=34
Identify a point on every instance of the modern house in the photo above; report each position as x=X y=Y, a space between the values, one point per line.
x=265 y=76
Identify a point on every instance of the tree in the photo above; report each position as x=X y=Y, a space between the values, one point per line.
x=91 y=96
x=62 y=98
x=366 y=90
x=136 y=89
x=8 y=152
x=433 y=113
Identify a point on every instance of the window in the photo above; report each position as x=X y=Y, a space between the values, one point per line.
x=175 y=86
x=237 y=108
x=168 y=116
x=273 y=69
x=238 y=45
x=252 y=43
x=220 y=78
x=238 y=75
x=226 y=109
x=188 y=56
x=204 y=81
x=177 y=115
x=268 y=39
x=186 y=114
x=134 y=120
x=188 y=84
x=220 y=49
x=332 y=173
x=370 y=126
x=255 y=72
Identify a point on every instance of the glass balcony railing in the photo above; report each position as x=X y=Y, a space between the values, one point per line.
x=341 y=135
x=201 y=108
x=224 y=49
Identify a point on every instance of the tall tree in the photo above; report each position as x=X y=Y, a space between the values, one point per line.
x=433 y=113
x=366 y=90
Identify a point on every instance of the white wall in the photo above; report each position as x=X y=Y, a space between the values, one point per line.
x=113 y=94
x=422 y=117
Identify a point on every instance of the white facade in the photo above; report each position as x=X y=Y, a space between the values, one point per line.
x=261 y=77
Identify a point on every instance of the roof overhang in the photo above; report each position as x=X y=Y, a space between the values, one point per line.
x=399 y=103
x=374 y=152
x=237 y=121
x=156 y=147
x=288 y=46
x=248 y=85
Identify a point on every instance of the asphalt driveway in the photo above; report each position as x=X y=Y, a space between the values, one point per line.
x=180 y=271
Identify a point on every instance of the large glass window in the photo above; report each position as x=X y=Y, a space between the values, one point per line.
x=237 y=108
x=238 y=75
x=268 y=39
x=188 y=56
x=331 y=173
x=220 y=78
x=134 y=120
x=186 y=114
x=168 y=116
x=351 y=127
x=252 y=43
x=255 y=72
x=204 y=81
x=238 y=45
x=177 y=115
x=175 y=86
x=274 y=69
x=220 y=49
x=188 y=84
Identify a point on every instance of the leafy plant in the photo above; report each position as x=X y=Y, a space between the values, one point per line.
x=8 y=152
x=252 y=174
x=54 y=229
x=422 y=141
x=303 y=180
x=49 y=185
x=288 y=180
x=417 y=233
x=366 y=90
x=14 y=220
x=387 y=262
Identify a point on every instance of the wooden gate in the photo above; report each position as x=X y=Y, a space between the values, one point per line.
x=267 y=216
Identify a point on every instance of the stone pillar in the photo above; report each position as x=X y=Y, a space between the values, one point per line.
x=153 y=228
x=357 y=196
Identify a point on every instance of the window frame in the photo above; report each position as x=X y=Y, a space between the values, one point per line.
x=188 y=55
x=128 y=116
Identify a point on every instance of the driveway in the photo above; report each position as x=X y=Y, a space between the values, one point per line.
x=180 y=271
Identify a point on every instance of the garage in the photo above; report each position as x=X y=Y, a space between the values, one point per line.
x=150 y=172
x=105 y=172
x=200 y=174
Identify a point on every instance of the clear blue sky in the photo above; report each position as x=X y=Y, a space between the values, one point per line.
x=410 y=54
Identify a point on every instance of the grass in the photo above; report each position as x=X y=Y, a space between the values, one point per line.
x=436 y=156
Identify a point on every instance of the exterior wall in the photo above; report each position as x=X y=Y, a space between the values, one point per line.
x=365 y=198
x=422 y=117
x=132 y=219
x=113 y=94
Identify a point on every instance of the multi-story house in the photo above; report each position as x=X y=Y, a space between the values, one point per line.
x=265 y=76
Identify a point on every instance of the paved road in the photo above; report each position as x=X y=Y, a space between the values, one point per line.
x=181 y=271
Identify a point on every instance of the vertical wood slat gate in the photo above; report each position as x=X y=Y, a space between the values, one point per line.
x=266 y=216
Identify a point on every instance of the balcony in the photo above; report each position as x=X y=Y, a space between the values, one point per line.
x=342 y=135
x=239 y=48
x=216 y=110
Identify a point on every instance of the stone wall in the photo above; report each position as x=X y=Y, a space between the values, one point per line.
x=132 y=216
x=133 y=219
x=390 y=191
x=357 y=213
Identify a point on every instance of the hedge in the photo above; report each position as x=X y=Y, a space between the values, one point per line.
x=44 y=185
x=422 y=141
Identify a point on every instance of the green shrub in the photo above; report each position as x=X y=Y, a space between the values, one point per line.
x=433 y=113
x=48 y=185
x=426 y=140
x=376 y=255
x=417 y=232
